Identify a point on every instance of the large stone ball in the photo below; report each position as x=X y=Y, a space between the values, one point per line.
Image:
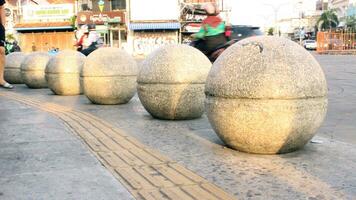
x=12 y=72
x=63 y=73
x=109 y=76
x=266 y=95
x=33 y=69
x=171 y=82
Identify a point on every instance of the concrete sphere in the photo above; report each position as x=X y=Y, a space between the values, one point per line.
x=109 y=76
x=12 y=71
x=171 y=82
x=33 y=70
x=266 y=95
x=63 y=73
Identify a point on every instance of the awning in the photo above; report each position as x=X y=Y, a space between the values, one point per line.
x=154 y=26
x=43 y=26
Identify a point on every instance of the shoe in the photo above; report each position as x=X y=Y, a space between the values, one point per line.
x=7 y=86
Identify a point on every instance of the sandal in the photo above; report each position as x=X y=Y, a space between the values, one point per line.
x=7 y=86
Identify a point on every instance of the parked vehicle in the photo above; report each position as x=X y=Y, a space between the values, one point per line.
x=241 y=32
x=310 y=44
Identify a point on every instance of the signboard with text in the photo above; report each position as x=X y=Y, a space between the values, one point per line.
x=100 y=17
x=48 y=12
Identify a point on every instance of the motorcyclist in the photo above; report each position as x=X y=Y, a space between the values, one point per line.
x=212 y=31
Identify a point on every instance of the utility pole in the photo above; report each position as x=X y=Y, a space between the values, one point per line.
x=275 y=12
x=300 y=4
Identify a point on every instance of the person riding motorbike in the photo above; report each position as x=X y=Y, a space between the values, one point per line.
x=212 y=31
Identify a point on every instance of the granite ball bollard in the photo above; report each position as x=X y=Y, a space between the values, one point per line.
x=266 y=95
x=109 y=76
x=63 y=73
x=33 y=70
x=171 y=82
x=12 y=71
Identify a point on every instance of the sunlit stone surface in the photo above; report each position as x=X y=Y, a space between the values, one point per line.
x=33 y=70
x=63 y=72
x=171 y=82
x=12 y=72
x=109 y=76
x=266 y=95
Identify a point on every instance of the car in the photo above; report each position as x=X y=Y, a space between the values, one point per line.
x=240 y=32
x=310 y=44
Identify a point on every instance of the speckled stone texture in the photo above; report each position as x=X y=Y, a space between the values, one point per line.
x=109 y=76
x=63 y=73
x=266 y=95
x=33 y=70
x=12 y=72
x=171 y=82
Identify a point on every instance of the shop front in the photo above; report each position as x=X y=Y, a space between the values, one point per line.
x=152 y=24
x=45 y=27
x=110 y=25
x=146 y=37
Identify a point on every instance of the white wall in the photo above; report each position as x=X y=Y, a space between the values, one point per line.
x=144 y=10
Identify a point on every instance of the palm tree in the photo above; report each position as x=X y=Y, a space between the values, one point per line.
x=351 y=22
x=328 y=20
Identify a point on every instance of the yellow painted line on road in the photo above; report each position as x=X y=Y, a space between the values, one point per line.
x=146 y=173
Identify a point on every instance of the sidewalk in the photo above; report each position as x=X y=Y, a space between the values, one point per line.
x=41 y=158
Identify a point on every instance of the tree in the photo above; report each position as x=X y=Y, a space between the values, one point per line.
x=270 y=31
x=351 y=22
x=328 y=20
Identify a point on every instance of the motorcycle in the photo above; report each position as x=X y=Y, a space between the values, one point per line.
x=216 y=52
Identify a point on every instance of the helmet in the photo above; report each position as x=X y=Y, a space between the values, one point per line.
x=84 y=28
x=210 y=8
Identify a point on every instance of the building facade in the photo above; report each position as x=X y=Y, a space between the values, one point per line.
x=109 y=18
x=42 y=25
x=152 y=24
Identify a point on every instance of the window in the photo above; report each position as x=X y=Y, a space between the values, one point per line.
x=118 y=4
x=85 y=5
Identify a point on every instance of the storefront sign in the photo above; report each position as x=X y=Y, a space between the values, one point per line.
x=100 y=17
x=47 y=12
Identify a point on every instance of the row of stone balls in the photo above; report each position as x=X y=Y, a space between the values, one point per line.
x=263 y=95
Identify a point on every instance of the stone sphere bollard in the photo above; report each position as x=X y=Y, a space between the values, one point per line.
x=266 y=95
x=12 y=72
x=109 y=76
x=171 y=82
x=63 y=73
x=33 y=69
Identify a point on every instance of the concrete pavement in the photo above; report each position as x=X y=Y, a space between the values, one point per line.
x=319 y=171
x=41 y=159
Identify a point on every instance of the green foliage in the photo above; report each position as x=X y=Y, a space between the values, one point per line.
x=73 y=20
x=270 y=31
x=351 y=22
x=10 y=37
x=328 y=20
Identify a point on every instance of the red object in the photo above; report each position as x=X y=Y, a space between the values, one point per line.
x=212 y=21
x=81 y=40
